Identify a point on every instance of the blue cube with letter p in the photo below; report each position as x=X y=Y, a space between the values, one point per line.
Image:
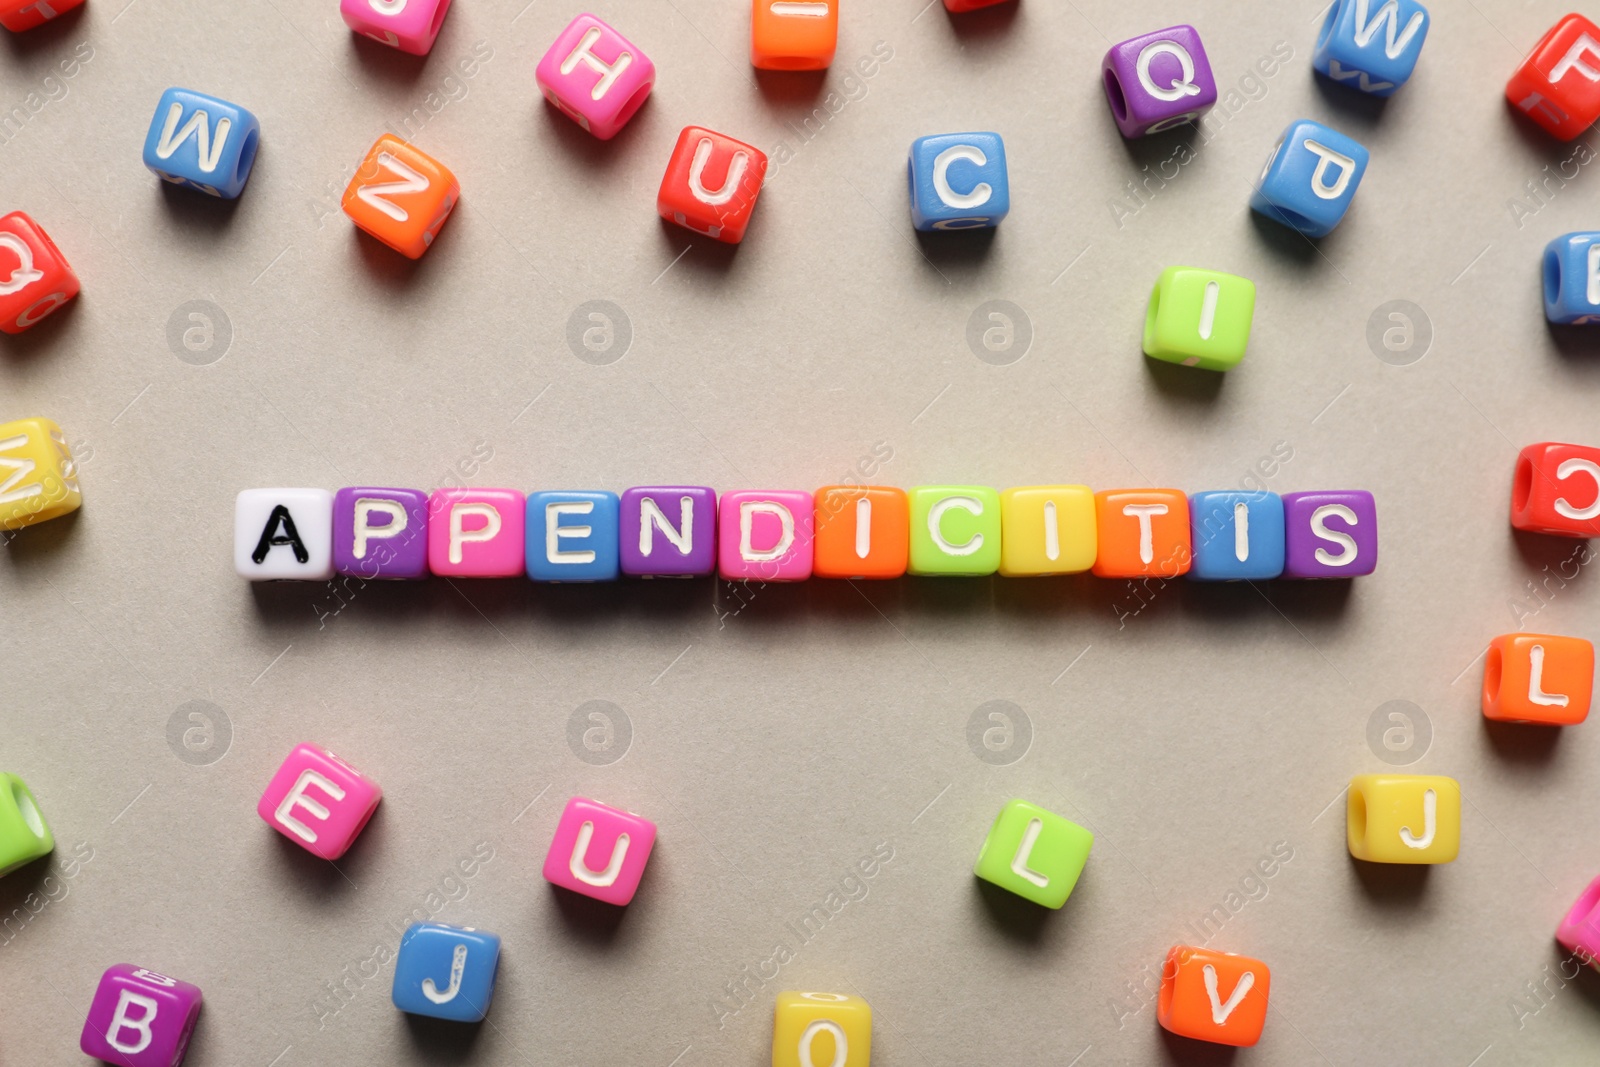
x=572 y=537
x=958 y=181
x=1310 y=178
x=202 y=142
x=446 y=972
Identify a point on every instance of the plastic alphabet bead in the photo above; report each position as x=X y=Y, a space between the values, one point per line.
x=821 y=1030
x=1141 y=533
x=1199 y=318
x=599 y=851
x=24 y=835
x=1034 y=853
x=139 y=1018
x=203 y=142
x=786 y=35
x=283 y=534
x=37 y=279
x=1572 y=279
x=38 y=476
x=319 y=801
x=711 y=184
x=572 y=537
x=446 y=972
x=955 y=531
x=595 y=76
x=1371 y=45
x=1159 y=81
x=1236 y=536
x=960 y=7
x=1557 y=490
x=476 y=533
x=409 y=25
x=669 y=531
x=958 y=181
x=862 y=532
x=1213 y=996
x=19 y=15
x=1330 y=534
x=401 y=196
x=380 y=533
x=1310 y=178
x=1558 y=84
x=1579 y=932
x=765 y=536
x=1047 y=529
x=1538 y=678
x=1403 y=818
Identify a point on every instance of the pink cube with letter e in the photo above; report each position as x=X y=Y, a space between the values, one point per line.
x=319 y=801
x=140 y=1018
x=595 y=76
x=599 y=851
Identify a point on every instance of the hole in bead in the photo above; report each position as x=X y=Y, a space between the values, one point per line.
x=635 y=102
x=1492 y=666
x=1114 y=93
x=1522 y=485
x=28 y=809
x=1330 y=22
x=438 y=19
x=1552 y=276
x=247 y=156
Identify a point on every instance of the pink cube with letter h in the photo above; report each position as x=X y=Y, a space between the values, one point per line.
x=595 y=76
x=599 y=851
x=319 y=801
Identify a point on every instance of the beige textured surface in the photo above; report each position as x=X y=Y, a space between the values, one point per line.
x=779 y=738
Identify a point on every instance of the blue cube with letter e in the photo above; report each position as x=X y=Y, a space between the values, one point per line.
x=446 y=972
x=203 y=142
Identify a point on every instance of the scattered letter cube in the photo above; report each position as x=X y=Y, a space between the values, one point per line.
x=1330 y=534
x=1558 y=84
x=1572 y=279
x=958 y=181
x=140 y=1018
x=785 y=35
x=711 y=184
x=1556 y=490
x=409 y=25
x=821 y=1030
x=1403 y=818
x=1310 y=178
x=283 y=534
x=34 y=276
x=203 y=142
x=401 y=196
x=1158 y=81
x=24 y=835
x=1539 y=678
x=1034 y=853
x=19 y=15
x=446 y=972
x=1579 y=932
x=1213 y=996
x=319 y=801
x=1371 y=45
x=38 y=476
x=599 y=851
x=1199 y=318
x=595 y=76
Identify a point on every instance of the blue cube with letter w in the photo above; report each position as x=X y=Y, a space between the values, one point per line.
x=203 y=142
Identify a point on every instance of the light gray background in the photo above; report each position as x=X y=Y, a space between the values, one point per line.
x=777 y=738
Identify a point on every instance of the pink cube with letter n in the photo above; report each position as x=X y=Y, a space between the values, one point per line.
x=599 y=851
x=139 y=1018
x=319 y=801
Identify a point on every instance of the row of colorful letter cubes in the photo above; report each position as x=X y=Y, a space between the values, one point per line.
x=792 y=535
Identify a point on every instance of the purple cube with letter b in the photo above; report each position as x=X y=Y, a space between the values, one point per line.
x=140 y=1018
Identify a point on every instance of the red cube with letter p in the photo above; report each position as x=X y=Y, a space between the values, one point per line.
x=319 y=801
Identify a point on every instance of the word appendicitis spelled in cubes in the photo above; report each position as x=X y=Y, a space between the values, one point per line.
x=792 y=535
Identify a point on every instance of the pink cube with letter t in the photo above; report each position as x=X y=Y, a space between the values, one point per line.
x=319 y=801
x=599 y=851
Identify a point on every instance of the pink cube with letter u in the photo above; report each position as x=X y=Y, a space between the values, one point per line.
x=599 y=851
x=319 y=801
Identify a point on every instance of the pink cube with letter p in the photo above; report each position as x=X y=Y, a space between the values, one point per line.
x=595 y=76
x=476 y=533
x=599 y=851
x=319 y=801
x=766 y=535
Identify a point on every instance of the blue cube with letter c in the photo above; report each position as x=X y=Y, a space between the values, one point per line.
x=958 y=182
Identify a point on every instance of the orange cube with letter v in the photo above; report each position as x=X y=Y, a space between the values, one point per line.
x=401 y=195
x=1213 y=996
